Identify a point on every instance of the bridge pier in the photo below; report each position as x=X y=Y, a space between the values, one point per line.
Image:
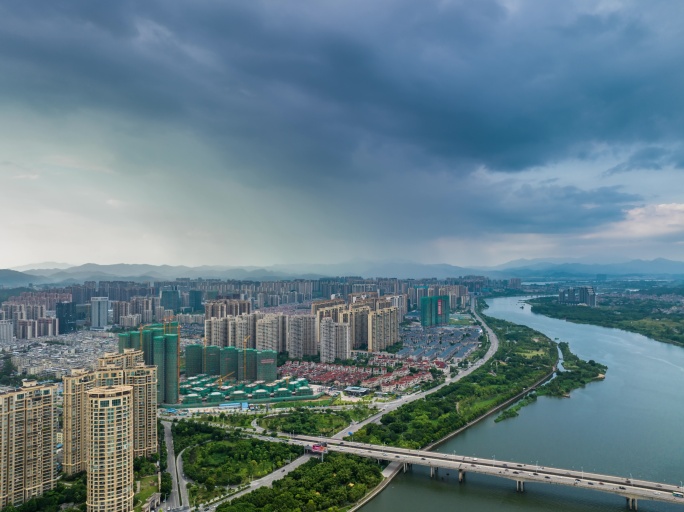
x=433 y=471
x=633 y=504
x=520 y=486
x=406 y=466
x=461 y=476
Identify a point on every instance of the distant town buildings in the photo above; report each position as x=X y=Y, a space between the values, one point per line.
x=581 y=295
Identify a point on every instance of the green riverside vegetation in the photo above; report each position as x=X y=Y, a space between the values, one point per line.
x=576 y=374
x=649 y=317
x=524 y=357
x=332 y=485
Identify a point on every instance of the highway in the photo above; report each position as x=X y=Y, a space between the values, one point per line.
x=172 y=500
x=628 y=488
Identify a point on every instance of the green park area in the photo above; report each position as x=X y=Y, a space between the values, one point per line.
x=308 y=422
x=215 y=458
x=331 y=485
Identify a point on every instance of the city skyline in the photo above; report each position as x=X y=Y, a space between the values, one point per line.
x=256 y=134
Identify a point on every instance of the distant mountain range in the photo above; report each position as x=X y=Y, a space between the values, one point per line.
x=525 y=269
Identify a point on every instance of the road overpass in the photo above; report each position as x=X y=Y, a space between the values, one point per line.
x=629 y=488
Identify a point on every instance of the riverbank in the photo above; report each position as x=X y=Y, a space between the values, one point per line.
x=622 y=426
x=647 y=318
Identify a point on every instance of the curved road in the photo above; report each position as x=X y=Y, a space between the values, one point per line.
x=392 y=406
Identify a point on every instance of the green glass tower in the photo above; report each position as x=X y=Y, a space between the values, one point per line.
x=195 y=297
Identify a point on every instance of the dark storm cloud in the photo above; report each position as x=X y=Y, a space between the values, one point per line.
x=337 y=97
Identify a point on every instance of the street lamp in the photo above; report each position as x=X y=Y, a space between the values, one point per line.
x=582 y=467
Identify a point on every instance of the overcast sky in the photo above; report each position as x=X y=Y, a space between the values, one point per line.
x=251 y=133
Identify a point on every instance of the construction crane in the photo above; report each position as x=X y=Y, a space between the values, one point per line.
x=220 y=380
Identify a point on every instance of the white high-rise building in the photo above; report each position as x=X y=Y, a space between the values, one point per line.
x=6 y=331
x=334 y=341
x=99 y=312
x=301 y=336
x=271 y=332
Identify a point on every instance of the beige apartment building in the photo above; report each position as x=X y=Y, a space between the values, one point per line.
x=110 y=449
x=27 y=433
x=113 y=370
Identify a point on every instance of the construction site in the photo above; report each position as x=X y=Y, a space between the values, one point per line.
x=206 y=390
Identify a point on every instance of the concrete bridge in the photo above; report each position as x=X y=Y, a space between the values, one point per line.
x=630 y=489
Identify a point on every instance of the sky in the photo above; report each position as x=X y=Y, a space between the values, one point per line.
x=255 y=133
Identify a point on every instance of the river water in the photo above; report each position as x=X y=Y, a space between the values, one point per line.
x=631 y=423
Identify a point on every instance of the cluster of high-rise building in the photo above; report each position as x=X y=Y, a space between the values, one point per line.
x=130 y=304
x=109 y=418
x=25 y=321
x=159 y=345
x=332 y=329
x=114 y=369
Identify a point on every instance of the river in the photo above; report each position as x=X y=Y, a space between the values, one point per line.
x=629 y=424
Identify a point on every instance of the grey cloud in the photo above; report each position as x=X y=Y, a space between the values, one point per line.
x=651 y=158
x=470 y=83
x=364 y=108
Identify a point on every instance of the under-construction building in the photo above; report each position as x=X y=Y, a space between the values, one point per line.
x=232 y=363
x=434 y=310
x=194 y=360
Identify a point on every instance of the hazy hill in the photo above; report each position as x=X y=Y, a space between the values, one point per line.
x=12 y=278
x=525 y=269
